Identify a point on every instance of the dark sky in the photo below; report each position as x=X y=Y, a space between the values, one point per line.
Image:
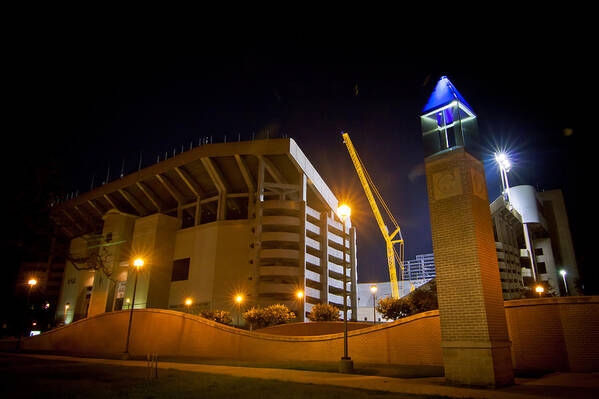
x=86 y=102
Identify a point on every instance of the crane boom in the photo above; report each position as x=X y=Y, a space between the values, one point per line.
x=389 y=241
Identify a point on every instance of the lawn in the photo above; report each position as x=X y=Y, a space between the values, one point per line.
x=35 y=378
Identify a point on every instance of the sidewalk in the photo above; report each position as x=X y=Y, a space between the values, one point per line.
x=556 y=385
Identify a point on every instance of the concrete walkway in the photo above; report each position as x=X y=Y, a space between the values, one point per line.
x=556 y=385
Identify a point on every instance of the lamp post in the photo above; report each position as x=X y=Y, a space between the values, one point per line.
x=539 y=289
x=238 y=300
x=346 y=365
x=563 y=273
x=300 y=297
x=138 y=263
x=373 y=290
x=188 y=303
x=31 y=283
x=66 y=308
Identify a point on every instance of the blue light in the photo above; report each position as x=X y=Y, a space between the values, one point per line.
x=444 y=94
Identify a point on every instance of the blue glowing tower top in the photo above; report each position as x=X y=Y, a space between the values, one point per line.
x=447 y=120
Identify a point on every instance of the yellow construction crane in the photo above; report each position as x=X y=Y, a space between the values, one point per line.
x=367 y=183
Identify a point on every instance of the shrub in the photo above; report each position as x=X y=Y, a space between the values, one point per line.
x=219 y=316
x=269 y=316
x=324 y=312
x=393 y=308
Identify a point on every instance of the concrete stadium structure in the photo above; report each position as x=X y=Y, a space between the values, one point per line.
x=533 y=241
x=250 y=217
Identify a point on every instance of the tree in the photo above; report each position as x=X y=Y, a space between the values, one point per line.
x=324 y=312
x=269 y=316
x=253 y=317
x=393 y=308
x=219 y=316
x=424 y=298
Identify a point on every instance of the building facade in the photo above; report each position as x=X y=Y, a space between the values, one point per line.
x=220 y=220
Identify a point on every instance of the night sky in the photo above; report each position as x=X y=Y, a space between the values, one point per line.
x=87 y=103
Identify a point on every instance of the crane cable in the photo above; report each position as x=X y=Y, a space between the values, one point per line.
x=376 y=191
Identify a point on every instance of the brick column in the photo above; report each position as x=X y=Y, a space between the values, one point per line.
x=475 y=342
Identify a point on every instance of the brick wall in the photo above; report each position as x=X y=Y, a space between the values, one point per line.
x=556 y=334
x=415 y=340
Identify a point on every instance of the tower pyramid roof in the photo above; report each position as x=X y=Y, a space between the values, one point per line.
x=444 y=93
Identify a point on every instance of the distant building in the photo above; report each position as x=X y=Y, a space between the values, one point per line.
x=420 y=268
x=250 y=217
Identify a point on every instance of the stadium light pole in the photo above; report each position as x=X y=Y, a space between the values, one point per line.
x=504 y=167
x=138 y=263
x=563 y=273
x=346 y=365
x=373 y=290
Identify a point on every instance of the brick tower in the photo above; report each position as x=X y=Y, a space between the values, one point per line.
x=475 y=342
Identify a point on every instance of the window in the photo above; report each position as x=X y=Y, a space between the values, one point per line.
x=541 y=268
x=538 y=251
x=180 y=269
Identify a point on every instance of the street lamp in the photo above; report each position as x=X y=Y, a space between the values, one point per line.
x=31 y=283
x=238 y=300
x=563 y=273
x=300 y=296
x=373 y=290
x=539 y=289
x=346 y=365
x=188 y=303
x=138 y=263
x=66 y=307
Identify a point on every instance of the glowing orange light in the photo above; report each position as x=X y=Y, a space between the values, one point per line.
x=138 y=263
x=373 y=288
x=239 y=298
x=32 y=282
x=299 y=294
x=188 y=301
x=344 y=211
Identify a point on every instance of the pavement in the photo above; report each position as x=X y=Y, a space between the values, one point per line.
x=555 y=385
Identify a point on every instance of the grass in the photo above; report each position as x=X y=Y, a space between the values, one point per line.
x=34 y=378
x=382 y=370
